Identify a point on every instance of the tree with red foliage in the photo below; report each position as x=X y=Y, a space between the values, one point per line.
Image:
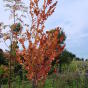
x=42 y=47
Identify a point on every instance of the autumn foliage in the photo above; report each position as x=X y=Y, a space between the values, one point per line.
x=43 y=47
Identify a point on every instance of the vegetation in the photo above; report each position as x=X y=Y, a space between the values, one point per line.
x=73 y=74
x=44 y=63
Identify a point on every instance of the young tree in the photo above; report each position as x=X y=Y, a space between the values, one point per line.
x=42 y=47
x=13 y=29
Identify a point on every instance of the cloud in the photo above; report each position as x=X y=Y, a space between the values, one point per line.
x=72 y=16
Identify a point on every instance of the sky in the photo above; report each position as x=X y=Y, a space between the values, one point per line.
x=72 y=16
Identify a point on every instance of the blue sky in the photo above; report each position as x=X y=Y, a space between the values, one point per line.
x=72 y=16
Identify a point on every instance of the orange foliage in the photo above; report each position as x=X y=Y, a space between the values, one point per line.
x=43 y=47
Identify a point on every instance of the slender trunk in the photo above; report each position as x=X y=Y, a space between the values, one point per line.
x=9 y=80
x=60 y=68
x=23 y=76
x=0 y=84
x=34 y=84
x=22 y=83
x=53 y=83
x=10 y=62
x=14 y=13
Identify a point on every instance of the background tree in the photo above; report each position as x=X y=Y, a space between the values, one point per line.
x=13 y=29
x=3 y=60
x=86 y=59
x=3 y=68
x=65 y=58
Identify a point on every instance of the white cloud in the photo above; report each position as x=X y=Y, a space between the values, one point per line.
x=72 y=15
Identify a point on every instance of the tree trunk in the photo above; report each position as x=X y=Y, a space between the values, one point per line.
x=60 y=67
x=0 y=84
x=34 y=84
x=9 y=79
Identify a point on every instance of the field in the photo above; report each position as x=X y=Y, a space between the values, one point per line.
x=72 y=76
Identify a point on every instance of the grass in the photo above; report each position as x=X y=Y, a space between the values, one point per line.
x=67 y=79
x=50 y=83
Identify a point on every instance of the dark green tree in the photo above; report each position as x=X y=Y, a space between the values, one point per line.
x=65 y=58
x=3 y=60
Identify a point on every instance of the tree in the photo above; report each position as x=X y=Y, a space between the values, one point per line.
x=86 y=60
x=3 y=60
x=42 y=47
x=56 y=61
x=66 y=57
x=3 y=67
x=13 y=30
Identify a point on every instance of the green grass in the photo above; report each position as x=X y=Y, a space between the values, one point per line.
x=67 y=79
x=50 y=83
